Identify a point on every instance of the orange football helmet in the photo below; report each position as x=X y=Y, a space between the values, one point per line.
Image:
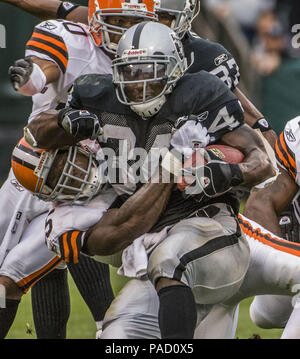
x=101 y=10
x=31 y=168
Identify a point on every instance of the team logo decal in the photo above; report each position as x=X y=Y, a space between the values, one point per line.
x=284 y=220
x=217 y=153
x=204 y=181
x=203 y=116
x=263 y=123
x=67 y=5
x=135 y=52
x=290 y=136
x=196 y=144
x=16 y=184
x=49 y=26
x=220 y=59
x=84 y=113
x=134 y=4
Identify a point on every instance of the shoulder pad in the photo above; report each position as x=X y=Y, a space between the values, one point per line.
x=286 y=147
x=96 y=92
x=212 y=57
x=46 y=40
x=198 y=91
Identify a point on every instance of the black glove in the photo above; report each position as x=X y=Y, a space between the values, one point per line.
x=289 y=225
x=80 y=123
x=20 y=72
x=213 y=179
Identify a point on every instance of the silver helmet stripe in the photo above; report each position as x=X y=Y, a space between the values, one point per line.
x=137 y=35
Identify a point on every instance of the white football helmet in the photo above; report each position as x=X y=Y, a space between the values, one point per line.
x=150 y=60
x=183 y=11
x=76 y=184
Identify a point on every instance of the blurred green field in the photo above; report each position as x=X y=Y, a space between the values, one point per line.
x=82 y=326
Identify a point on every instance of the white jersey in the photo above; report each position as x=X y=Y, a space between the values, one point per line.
x=71 y=47
x=73 y=220
x=288 y=155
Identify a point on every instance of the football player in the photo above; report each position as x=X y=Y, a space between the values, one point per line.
x=177 y=14
x=57 y=53
x=274 y=311
x=148 y=96
x=183 y=14
x=71 y=178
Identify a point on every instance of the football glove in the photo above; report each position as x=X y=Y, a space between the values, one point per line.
x=20 y=72
x=289 y=226
x=212 y=179
x=80 y=123
x=189 y=135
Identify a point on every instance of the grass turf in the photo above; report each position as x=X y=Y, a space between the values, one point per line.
x=82 y=326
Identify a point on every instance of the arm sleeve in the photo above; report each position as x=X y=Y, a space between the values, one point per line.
x=46 y=43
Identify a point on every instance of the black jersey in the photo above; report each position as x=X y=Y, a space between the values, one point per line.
x=200 y=94
x=211 y=57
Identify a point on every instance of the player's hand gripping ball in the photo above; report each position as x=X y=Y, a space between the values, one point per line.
x=211 y=171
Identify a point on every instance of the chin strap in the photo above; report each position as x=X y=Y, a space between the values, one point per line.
x=149 y=109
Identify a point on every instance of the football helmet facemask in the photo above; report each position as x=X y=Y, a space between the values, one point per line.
x=181 y=12
x=76 y=183
x=150 y=60
x=108 y=18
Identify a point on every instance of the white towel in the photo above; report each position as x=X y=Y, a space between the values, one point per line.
x=135 y=256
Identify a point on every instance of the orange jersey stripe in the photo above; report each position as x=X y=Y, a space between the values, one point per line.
x=34 y=277
x=283 y=160
x=283 y=144
x=65 y=246
x=74 y=246
x=49 y=49
x=50 y=39
x=271 y=241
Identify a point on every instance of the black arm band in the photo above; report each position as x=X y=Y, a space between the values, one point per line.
x=262 y=124
x=64 y=9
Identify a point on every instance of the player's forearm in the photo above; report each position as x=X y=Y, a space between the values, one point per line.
x=43 y=9
x=260 y=209
x=265 y=205
x=44 y=132
x=118 y=228
x=47 y=9
x=150 y=198
x=256 y=168
x=252 y=115
x=80 y=14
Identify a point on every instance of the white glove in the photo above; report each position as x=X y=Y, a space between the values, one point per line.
x=189 y=135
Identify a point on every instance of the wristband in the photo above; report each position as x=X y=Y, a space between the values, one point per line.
x=35 y=84
x=262 y=124
x=64 y=9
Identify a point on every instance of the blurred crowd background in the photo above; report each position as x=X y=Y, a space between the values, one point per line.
x=262 y=35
